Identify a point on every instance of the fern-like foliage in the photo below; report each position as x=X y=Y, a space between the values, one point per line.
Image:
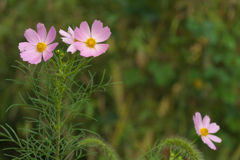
x=58 y=97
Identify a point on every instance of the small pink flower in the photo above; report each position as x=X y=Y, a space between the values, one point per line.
x=204 y=127
x=69 y=39
x=38 y=44
x=88 y=42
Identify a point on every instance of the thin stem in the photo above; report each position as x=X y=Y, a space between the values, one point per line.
x=195 y=140
x=66 y=118
x=77 y=68
x=149 y=151
x=60 y=92
x=54 y=64
x=182 y=149
x=48 y=116
x=73 y=78
x=58 y=127
x=58 y=133
x=61 y=65
x=70 y=63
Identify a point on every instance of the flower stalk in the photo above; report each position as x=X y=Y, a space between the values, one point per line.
x=58 y=126
x=61 y=90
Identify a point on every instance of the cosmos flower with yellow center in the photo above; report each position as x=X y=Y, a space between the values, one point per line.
x=38 y=45
x=89 y=42
x=204 y=129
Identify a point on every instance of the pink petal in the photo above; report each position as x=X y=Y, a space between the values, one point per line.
x=94 y=52
x=41 y=32
x=90 y=52
x=86 y=52
x=210 y=143
x=47 y=55
x=51 y=47
x=213 y=128
x=84 y=27
x=103 y=35
x=203 y=139
x=37 y=58
x=27 y=55
x=214 y=138
x=199 y=120
x=197 y=128
x=64 y=34
x=79 y=35
x=32 y=36
x=51 y=35
x=71 y=31
x=206 y=121
x=101 y=48
x=26 y=46
x=80 y=45
x=72 y=48
x=68 y=40
x=97 y=26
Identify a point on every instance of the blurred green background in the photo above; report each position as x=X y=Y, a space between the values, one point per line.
x=174 y=57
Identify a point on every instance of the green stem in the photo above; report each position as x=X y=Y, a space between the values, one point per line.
x=48 y=116
x=65 y=119
x=70 y=63
x=60 y=92
x=77 y=68
x=195 y=140
x=182 y=149
x=58 y=133
x=58 y=126
x=54 y=64
x=73 y=78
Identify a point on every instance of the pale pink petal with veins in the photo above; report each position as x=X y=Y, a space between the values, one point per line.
x=87 y=41
x=38 y=44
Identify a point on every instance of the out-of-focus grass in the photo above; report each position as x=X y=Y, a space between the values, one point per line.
x=174 y=58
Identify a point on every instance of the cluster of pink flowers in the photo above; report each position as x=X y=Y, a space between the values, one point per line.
x=88 y=42
x=82 y=39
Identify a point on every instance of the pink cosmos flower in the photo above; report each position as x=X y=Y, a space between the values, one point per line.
x=38 y=44
x=88 y=41
x=204 y=127
x=69 y=39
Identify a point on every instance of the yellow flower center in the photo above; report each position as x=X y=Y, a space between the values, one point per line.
x=204 y=131
x=41 y=46
x=91 y=42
